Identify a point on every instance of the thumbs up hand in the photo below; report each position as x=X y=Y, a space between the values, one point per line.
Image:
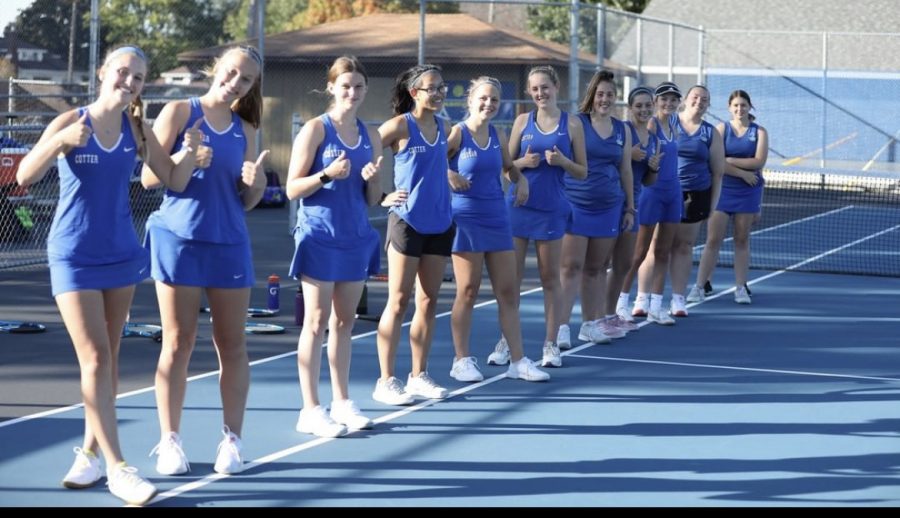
x=252 y=172
x=339 y=168
x=529 y=159
x=193 y=137
x=77 y=133
x=554 y=156
x=370 y=171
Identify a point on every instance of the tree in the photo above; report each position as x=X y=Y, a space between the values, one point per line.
x=163 y=28
x=552 y=22
x=46 y=24
x=281 y=16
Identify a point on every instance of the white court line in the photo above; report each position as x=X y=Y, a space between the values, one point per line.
x=783 y=225
x=209 y=479
x=181 y=489
x=727 y=367
x=48 y=413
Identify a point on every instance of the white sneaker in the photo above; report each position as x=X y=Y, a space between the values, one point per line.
x=228 y=454
x=623 y=324
x=564 y=337
x=551 y=355
x=466 y=370
x=624 y=314
x=500 y=356
x=677 y=307
x=171 y=459
x=85 y=471
x=590 y=333
x=124 y=482
x=609 y=328
x=317 y=422
x=660 y=317
x=696 y=294
x=741 y=296
x=641 y=307
x=524 y=369
x=391 y=392
x=346 y=412
x=422 y=385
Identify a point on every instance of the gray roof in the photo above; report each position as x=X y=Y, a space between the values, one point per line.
x=795 y=42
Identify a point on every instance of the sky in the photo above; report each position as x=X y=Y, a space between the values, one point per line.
x=10 y=10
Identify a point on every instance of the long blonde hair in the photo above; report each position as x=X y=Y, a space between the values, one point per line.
x=136 y=108
x=250 y=106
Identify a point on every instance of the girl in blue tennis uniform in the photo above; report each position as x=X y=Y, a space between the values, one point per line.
x=420 y=230
x=478 y=154
x=602 y=206
x=94 y=255
x=644 y=154
x=548 y=145
x=660 y=206
x=334 y=173
x=746 y=151
x=701 y=162
x=199 y=244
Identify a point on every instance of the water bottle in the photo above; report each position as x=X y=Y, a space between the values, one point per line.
x=298 y=307
x=274 y=291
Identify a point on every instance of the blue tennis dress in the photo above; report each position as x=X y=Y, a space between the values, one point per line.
x=738 y=197
x=334 y=240
x=543 y=217
x=199 y=237
x=480 y=213
x=92 y=244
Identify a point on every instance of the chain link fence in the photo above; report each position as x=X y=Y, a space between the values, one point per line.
x=825 y=100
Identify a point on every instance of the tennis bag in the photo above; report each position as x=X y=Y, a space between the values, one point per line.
x=274 y=196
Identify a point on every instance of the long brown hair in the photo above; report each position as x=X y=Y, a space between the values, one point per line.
x=600 y=76
x=250 y=106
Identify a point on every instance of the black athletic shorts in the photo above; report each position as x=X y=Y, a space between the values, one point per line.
x=696 y=205
x=408 y=241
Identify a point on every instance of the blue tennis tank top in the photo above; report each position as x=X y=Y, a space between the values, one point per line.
x=421 y=170
x=545 y=182
x=210 y=208
x=602 y=189
x=741 y=147
x=481 y=166
x=693 y=156
x=639 y=169
x=92 y=224
x=668 y=165
x=338 y=209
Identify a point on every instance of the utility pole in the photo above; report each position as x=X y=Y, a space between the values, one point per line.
x=72 y=20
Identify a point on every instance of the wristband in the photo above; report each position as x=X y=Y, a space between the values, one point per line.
x=324 y=178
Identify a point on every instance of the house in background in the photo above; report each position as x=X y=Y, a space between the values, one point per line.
x=465 y=47
x=37 y=63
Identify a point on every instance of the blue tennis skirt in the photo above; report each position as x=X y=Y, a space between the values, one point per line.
x=481 y=225
x=68 y=275
x=595 y=223
x=324 y=258
x=187 y=262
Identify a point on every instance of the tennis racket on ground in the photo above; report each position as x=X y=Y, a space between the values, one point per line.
x=145 y=330
x=252 y=312
x=14 y=326
x=256 y=328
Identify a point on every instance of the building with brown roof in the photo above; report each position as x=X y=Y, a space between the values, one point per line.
x=297 y=62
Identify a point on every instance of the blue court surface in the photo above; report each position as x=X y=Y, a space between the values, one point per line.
x=792 y=400
x=789 y=401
